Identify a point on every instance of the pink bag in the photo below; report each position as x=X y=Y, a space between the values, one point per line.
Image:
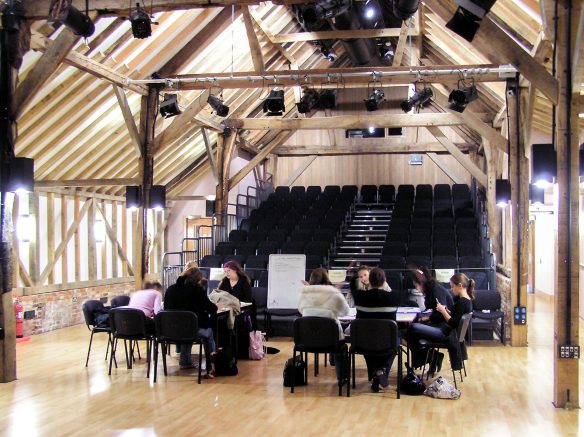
x=256 y=345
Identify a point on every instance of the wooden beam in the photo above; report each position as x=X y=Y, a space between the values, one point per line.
x=73 y=192
x=443 y=165
x=128 y=118
x=114 y=239
x=185 y=198
x=43 y=70
x=299 y=170
x=498 y=46
x=266 y=32
x=463 y=159
x=493 y=213
x=86 y=183
x=317 y=150
x=254 y=45
x=343 y=34
x=346 y=122
x=210 y=154
x=238 y=177
x=401 y=44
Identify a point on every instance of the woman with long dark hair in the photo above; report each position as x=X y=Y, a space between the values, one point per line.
x=236 y=281
x=434 y=292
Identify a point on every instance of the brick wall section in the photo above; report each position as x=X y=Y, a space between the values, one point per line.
x=63 y=308
x=504 y=287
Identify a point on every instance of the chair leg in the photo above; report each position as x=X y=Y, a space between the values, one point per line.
x=315 y=364
x=155 y=359
x=126 y=351
x=138 y=347
x=399 y=372
x=503 y=340
x=425 y=361
x=201 y=362
x=353 y=368
x=293 y=378
x=112 y=355
x=306 y=367
x=148 y=357
x=454 y=377
x=89 y=350
x=164 y=346
x=348 y=373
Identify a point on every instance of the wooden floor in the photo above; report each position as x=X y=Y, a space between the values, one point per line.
x=508 y=392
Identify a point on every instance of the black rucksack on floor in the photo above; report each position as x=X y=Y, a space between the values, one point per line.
x=243 y=327
x=298 y=367
x=225 y=363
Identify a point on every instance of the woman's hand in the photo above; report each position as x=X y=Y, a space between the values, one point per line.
x=441 y=308
x=305 y=282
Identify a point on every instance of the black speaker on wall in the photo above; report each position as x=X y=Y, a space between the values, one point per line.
x=209 y=208
x=133 y=197
x=543 y=164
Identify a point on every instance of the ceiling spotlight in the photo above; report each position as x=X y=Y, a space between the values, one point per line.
x=502 y=192
x=418 y=100
x=371 y=130
x=386 y=52
x=370 y=13
x=461 y=97
x=328 y=53
x=544 y=165
x=220 y=108
x=157 y=199
x=324 y=9
x=308 y=101
x=141 y=23
x=274 y=103
x=467 y=18
x=536 y=195
x=375 y=98
x=405 y=9
x=327 y=99
x=63 y=12
x=20 y=175
x=169 y=106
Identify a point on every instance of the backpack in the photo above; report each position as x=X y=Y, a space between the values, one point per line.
x=225 y=363
x=256 y=345
x=299 y=368
x=411 y=384
x=442 y=389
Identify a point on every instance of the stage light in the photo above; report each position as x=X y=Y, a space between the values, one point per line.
x=21 y=175
x=157 y=197
x=405 y=9
x=536 y=195
x=63 y=12
x=169 y=106
x=418 y=100
x=133 y=197
x=543 y=164
x=324 y=9
x=328 y=53
x=461 y=97
x=375 y=98
x=386 y=52
x=467 y=18
x=371 y=130
x=370 y=13
x=327 y=99
x=218 y=106
x=141 y=23
x=503 y=192
x=274 y=103
x=308 y=101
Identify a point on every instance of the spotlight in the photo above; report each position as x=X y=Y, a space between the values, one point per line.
x=169 y=106
x=461 y=97
x=467 y=18
x=308 y=101
x=503 y=192
x=157 y=197
x=21 y=175
x=324 y=9
x=405 y=9
x=63 y=12
x=220 y=108
x=141 y=23
x=418 y=100
x=327 y=99
x=543 y=164
x=536 y=195
x=374 y=99
x=371 y=130
x=274 y=103
x=328 y=53
x=133 y=197
x=370 y=13
x=386 y=52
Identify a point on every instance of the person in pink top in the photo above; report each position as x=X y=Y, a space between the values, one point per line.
x=149 y=301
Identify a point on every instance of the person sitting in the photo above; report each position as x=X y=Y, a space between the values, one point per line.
x=236 y=281
x=433 y=292
x=187 y=294
x=149 y=300
x=320 y=298
x=361 y=282
x=463 y=289
x=377 y=303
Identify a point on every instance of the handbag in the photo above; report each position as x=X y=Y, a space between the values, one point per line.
x=299 y=368
x=411 y=384
x=256 y=345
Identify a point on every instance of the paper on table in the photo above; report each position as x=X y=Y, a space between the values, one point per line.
x=216 y=274
x=337 y=276
x=444 y=275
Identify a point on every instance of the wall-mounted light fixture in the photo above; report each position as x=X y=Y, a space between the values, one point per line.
x=21 y=175
x=536 y=195
x=543 y=165
x=133 y=197
x=63 y=12
x=503 y=192
x=157 y=197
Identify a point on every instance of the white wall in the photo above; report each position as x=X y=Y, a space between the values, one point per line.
x=545 y=252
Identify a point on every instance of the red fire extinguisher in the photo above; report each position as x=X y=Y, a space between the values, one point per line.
x=18 y=315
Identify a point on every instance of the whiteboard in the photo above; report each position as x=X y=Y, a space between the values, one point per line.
x=285 y=276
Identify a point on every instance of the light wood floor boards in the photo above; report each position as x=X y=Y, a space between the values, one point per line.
x=508 y=392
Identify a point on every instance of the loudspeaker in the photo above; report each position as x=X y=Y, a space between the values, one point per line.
x=543 y=163
x=133 y=198
x=21 y=175
x=209 y=208
x=157 y=197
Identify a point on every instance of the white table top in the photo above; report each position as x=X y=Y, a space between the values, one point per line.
x=404 y=314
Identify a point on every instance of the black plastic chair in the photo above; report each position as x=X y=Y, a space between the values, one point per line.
x=129 y=324
x=486 y=311
x=90 y=309
x=375 y=337
x=386 y=194
x=318 y=335
x=369 y=193
x=176 y=327
x=237 y=235
x=436 y=346
x=120 y=301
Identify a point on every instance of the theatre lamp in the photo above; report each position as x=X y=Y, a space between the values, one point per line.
x=405 y=9
x=375 y=98
x=157 y=197
x=62 y=11
x=543 y=164
x=133 y=197
x=21 y=175
x=274 y=103
x=327 y=99
x=536 y=195
x=169 y=106
x=418 y=100
x=503 y=192
x=461 y=97
x=218 y=105
x=308 y=101
x=141 y=23
x=467 y=18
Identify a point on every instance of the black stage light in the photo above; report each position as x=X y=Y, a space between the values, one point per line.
x=308 y=101
x=157 y=197
x=169 y=106
x=328 y=53
x=21 y=175
x=133 y=197
x=375 y=98
x=405 y=9
x=63 y=12
x=502 y=192
x=536 y=194
x=220 y=108
x=141 y=23
x=467 y=18
x=418 y=100
x=461 y=97
x=274 y=103
x=324 y=9
x=327 y=99
x=544 y=165
x=386 y=52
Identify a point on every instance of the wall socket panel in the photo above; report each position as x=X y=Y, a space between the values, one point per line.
x=29 y=315
x=570 y=352
x=520 y=315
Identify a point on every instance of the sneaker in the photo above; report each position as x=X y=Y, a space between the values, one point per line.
x=375 y=384
x=384 y=379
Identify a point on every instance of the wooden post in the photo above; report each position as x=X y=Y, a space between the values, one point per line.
x=566 y=297
x=225 y=149
x=493 y=213
x=519 y=179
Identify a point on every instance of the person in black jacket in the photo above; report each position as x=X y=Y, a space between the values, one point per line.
x=377 y=303
x=433 y=292
x=236 y=281
x=188 y=295
x=463 y=289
